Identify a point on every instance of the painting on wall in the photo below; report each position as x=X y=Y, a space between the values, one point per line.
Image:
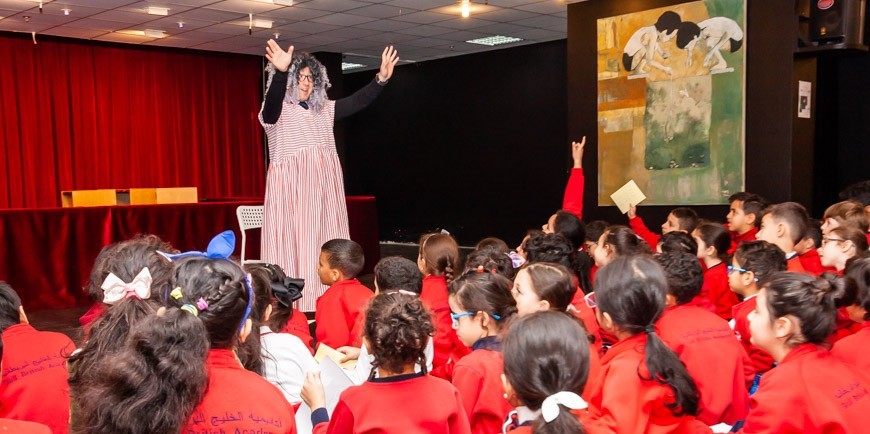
x=671 y=102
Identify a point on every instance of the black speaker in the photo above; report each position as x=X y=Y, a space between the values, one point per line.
x=837 y=21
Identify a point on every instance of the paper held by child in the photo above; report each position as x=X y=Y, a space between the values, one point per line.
x=325 y=351
x=335 y=380
x=627 y=195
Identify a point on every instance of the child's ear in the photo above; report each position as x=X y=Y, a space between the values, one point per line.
x=670 y=300
x=750 y=218
x=710 y=251
x=781 y=230
x=509 y=393
x=268 y=313
x=748 y=278
x=544 y=304
x=246 y=330
x=607 y=321
x=22 y=317
x=784 y=326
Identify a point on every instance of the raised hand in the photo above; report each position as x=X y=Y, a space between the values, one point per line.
x=577 y=152
x=632 y=211
x=389 y=59
x=280 y=58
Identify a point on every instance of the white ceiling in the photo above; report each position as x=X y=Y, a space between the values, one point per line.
x=420 y=29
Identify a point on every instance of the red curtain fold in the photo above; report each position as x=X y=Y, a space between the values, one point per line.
x=79 y=115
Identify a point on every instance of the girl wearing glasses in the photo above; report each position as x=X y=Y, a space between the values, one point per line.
x=840 y=244
x=305 y=204
x=481 y=305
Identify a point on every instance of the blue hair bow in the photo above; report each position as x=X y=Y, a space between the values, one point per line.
x=221 y=246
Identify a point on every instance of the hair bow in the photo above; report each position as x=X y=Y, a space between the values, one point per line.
x=517 y=261
x=221 y=247
x=550 y=407
x=288 y=291
x=115 y=289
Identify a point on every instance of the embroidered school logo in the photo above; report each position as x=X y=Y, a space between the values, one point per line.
x=825 y=4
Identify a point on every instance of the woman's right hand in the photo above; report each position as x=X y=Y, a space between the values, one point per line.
x=350 y=353
x=280 y=58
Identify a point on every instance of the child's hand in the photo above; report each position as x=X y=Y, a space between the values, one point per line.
x=632 y=211
x=350 y=353
x=312 y=391
x=577 y=152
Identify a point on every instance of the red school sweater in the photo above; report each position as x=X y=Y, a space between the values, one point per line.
x=737 y=238
x=639 y=228
x=338 y=311
x=719 y=291
x=853 y=349
x=573 y=199
x=407 y=404
x=297 y=326
x=34 y=386
x=761 y=360
x=446 y=344
x=811 y=391
x=477 y=377
x=715 y=360
x=238 y=400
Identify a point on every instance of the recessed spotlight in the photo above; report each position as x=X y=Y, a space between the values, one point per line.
x=181 y=24
x=350 y=65
x=155 y=33
x=153 y=10
x=66 y=12
x=494 y=40
x=276 y=35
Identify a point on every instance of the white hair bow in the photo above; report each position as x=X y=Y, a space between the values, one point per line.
x=550 y=407
x=115 y=289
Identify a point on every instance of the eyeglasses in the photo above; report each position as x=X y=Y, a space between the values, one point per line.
x=306 y=77
x=827 y=240
x=455 y=317
x=590 y=300
x=738 y=269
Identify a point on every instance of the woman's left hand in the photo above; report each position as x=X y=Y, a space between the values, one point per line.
x=389 y=59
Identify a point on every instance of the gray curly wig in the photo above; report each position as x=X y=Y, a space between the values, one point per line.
x=317 y=99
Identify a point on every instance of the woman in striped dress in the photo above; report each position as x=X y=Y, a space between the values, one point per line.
x=305 y=204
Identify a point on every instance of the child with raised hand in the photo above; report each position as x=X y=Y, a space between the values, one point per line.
x=285 y=358
x=853 y=349
x=438 y=261
x=617 y=241
x=481 y=305
x=397 y=326
x=679 y=219
x=545 y=371
x=568 y=220
x=714 y=240
x=644 y=387
x=810 y=390
x=784 y=225
x=543 y=286
x=337 y=317
x=752 y=262
x=34 y=386
x=701 y=340
x=744 y=217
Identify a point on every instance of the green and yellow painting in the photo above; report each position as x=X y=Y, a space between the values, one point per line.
x=671 y=102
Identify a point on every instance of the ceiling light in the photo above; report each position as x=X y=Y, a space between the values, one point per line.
x=263 y=24
x=155 y=33
x=153 y=10
x=494 y=40
x=465 y=9
x=132 y=32
x=181 y=24
x=350 y=65
x=66 y=12
x=276 y=35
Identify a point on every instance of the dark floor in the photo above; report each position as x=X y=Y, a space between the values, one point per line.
x=66 y=321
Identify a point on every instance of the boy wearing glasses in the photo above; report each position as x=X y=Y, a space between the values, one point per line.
x=753 y=261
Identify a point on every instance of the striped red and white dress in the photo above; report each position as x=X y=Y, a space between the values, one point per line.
x=305 y=204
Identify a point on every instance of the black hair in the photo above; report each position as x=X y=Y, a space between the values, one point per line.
x=624 y=241
x=668 y=21
x=763 y=259
x=813 y=301
x=557 y=249
x=395 y=273
x=687 y=218
x=10 y=313
x=345 y=255
x=491 y=259
x=859 y=191
x=398 y=328
x=814 y=232
x=752 y=204
x=632 y=290
x=684 y=274
x=546 y=353
x=687 y=32
x=858 y=269
x=553 y=283
x=793 y=215
x=493 y=242
x=440 y=252
x=485 y=292
x=127 y=258
x=569 y=225
x=594 y=229
x=265 y=278
x=717 y=236
x=676 y=241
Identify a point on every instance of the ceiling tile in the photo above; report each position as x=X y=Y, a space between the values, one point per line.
x=122 y=37
x=424 y=42
x=244 y=6
x=350 y=33
x=309 y=27
x=312 y=40
x=425 y=31
x=125 y=17
x=382 y=11
x=142 y=7
x=423 y=17
x=342 y=19
x=76 y=12
x=91 y=23
x=385 y=25
x=519 y=3
x=503 y=15
x=545 y=7
x=18 y=5
x=101 y=4
x=296 y=13
x=504 y=29
x=213 y=15
x=420 y=4
x=203 y=36
x=544 y=21
x=464 y=23
x=72 y=32
x=333 y=5
x=389 y=38
x=189 y=23
x=540 y=35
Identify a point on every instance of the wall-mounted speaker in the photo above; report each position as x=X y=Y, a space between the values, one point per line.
x=837 y=21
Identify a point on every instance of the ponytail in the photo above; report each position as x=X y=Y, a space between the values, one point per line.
x=665 y=367
x=152 y=383
x=440 y=252
x=814 y=302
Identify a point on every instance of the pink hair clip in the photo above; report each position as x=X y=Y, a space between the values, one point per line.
x=201 y=304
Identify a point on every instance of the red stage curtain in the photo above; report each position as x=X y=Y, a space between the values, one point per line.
x=80 y=115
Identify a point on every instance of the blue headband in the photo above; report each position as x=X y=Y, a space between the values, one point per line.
x=221 y=246
x=250 y=301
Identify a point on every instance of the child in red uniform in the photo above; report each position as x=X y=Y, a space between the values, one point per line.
x=337 y=316
x=810 y=391
x=853 y=349
x=397 y=326
x=846 y=213
x=702 y=340
x=841 y=244
x=679 y=219
x=545 y=368
x=618 y=241
x=784 y=225
x=542 y=287
x=480 y=304
x=744 y=217
x=807 y=249
x=713 y=243
x=438 y=261
x=644 y=386
x=752 y=262
x=34 y=386
x=593 y=233
x=491 y=259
